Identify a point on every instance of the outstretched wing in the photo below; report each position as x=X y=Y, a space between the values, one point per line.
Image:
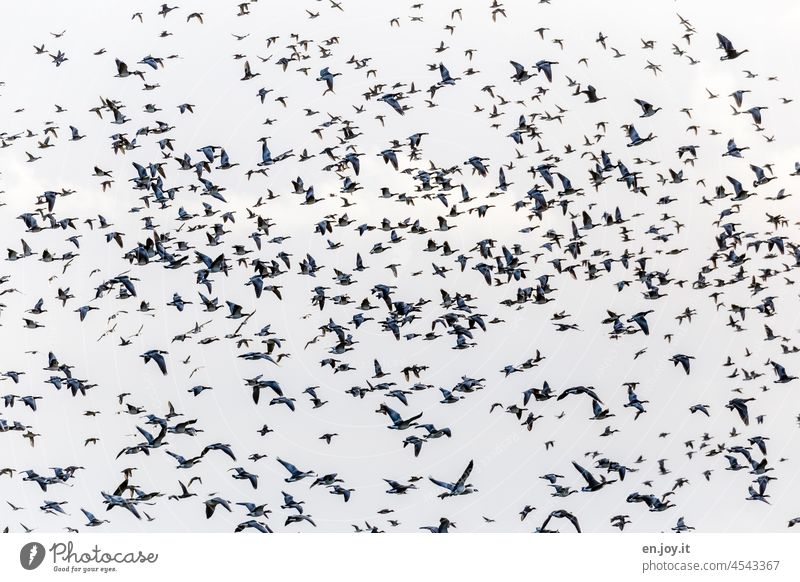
x=448 y=486
x=737 y=185
x=463 y=480
x=396 y=418
x=148 y=437
x=288 y=466
x=573 y=520
x=587 y=476
x=161 y=362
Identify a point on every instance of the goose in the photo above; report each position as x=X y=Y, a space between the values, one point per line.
x=760 y=177
x=53 y=507
x=591 y=94
x=592 y=484
x=327 y=480
x=443 y=527
x=222 y=447
x=295 y=473
x=727 y=46
x=639 y=319
x=620 y=521
x=327 y=76
x=446 y=79
x=241 y=474
x=700 y=408
x=398 y=423
x=158 y=357
x=755 y=112
x=253 y=524
x=213 y=503
x=93 y=521
x=681 y=526
x=184 y=492
x=248 y=74
x=254 y=510
x=184 y=463
x=298 y=518
x=576 y=390
x=683 y=360
x=122 y=70
x=561 y=514
x=460 y=487
x=780 y=372
x=339 y=490
x=397 y=488
x=434 y=433
x=733 y=150
x=740 y=406
x=520 y=74
x=738 y=96
x=647 y=109
x=634 y=138
x=115 y=500
x=546 y=68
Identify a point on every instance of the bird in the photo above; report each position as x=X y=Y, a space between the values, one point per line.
x=295 y=473
x=460 y=487
x=727 y=46
x=213 y=503
x=559 y=514
x=647 y=109
x=592 y=484
x=158 y=357
x=92 y=520
x=683 y=360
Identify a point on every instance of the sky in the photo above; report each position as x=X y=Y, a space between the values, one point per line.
x=508 y=459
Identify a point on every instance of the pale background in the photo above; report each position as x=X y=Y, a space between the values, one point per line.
x=508 y=459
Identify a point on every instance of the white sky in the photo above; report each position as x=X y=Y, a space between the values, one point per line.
x=508 y=459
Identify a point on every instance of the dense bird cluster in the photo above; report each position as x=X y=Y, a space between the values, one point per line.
x=290 y=332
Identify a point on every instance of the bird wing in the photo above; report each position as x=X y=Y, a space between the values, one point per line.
x=148 y=437
x=396 y=418
x=288 y=466
x=448 y=486
x=588 y=477
x=465 y=475
x=724 y=43
x=573 y=520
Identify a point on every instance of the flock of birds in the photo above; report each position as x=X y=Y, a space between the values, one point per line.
x=205 y=256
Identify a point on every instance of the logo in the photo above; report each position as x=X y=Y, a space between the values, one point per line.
x=31 y=555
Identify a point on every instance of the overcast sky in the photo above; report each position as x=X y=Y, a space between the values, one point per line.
x=228 y=113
